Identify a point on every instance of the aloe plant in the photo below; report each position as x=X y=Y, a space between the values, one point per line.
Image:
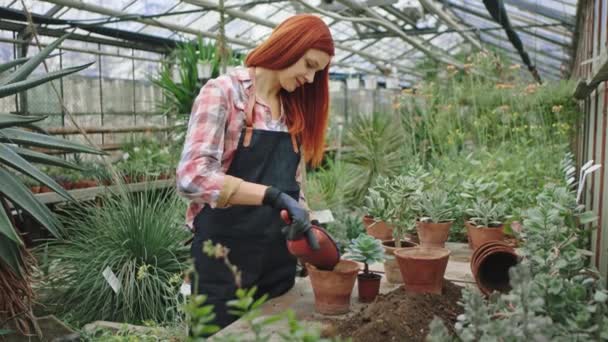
x=16 y=157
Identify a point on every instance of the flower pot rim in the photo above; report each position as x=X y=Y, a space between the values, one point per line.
x=473 y=225
x=414 y=253
x=369 y=276
x=351 y=264
x=433 y=222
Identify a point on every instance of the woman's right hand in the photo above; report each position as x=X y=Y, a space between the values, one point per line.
x=298 y=215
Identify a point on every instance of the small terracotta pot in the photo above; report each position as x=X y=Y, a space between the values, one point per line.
x=35 y=189
x=490 y=266
x=433 y=234
x=423 y=268
x=368 y=286
x=332 y=289
x=391 y=267
x=480 y=235
x=380 y=230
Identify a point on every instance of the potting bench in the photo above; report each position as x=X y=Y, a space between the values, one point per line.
x=300 y=298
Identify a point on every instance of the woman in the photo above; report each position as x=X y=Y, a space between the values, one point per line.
x=241 y=162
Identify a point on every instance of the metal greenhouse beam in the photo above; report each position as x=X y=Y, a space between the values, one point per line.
x=432 y=52
x=481 y=13
x=544 y=11
x=450 y=22
x=264 y=22
x=114 y=13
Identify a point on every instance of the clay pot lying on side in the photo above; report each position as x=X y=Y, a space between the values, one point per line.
x=423 y=268
x=368 y=286
x=391 y=267
x=332 y=289
x=480 y=235
x=433 y=234
x=378 y=229
x=490 y=266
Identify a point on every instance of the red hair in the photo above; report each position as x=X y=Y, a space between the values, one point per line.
x=307 y=107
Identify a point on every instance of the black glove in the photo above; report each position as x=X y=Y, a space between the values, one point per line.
x=300 y=219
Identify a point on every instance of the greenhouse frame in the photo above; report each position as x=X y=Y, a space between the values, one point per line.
x=463 y=157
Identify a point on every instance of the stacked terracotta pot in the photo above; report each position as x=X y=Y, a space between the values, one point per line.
x=378 y=229
x=490 y=265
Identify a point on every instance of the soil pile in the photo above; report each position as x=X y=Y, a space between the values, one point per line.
x=401 y=316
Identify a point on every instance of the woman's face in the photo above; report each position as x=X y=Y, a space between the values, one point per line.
x=303 y=71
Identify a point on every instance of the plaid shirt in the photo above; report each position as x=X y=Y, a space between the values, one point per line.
x=214 y=130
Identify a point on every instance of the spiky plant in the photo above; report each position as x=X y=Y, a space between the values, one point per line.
x=16 y=157
x=138 y=236
x=366 y=249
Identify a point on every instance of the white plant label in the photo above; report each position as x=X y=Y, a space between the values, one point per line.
x=185 y=289
x=323 y=216
x=111 y=279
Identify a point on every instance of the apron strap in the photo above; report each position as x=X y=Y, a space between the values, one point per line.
x=250 y=112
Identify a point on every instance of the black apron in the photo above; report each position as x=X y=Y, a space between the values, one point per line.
x=252 y=233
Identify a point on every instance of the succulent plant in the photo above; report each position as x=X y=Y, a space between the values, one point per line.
x=366 y=249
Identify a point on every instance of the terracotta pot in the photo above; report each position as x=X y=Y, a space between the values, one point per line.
x=368 y=286
x=479 y=236
x=44 y=188
x=490 y=265
x=380 y=230
x=332 y=289
x=35 y=189
x=433 y=234
x=422 y=268
x=391 y=267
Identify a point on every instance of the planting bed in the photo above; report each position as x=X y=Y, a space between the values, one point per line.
x=401 y=316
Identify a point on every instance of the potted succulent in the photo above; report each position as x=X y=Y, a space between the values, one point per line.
x=379 y=211
x=486 y=222
x=368 y=250
x=435 y=213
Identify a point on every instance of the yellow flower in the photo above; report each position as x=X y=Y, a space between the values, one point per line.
x=515 y=66
x=142 y=272
x=503 y=86
x=450 y=67
x=557 y=109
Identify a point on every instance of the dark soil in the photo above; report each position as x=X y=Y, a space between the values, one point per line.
x=401 y=316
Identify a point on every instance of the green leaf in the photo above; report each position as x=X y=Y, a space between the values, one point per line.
x=9 y=120
x=19 y=194
x=9 y=253
x=39 y=157
x=17 y=136
x=29 y=66
x=16 y=87
x=19 y=61
x=12 y=159
x=5 y=332
x=7 y=229
x=587 y=217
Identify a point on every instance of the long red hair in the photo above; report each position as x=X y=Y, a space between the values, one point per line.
x=307 y=108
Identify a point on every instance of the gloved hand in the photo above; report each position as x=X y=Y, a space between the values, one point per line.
x=299 y=217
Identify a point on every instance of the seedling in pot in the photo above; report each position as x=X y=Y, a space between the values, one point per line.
x=368 y=250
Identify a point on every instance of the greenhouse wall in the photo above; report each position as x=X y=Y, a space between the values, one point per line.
x=590 y=55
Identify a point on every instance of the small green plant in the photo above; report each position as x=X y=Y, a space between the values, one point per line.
x=484 y=213
x=434 y=206
x=366 y=249
x=378 y=205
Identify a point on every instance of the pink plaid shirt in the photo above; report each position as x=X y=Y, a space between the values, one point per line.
x=214 y=130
